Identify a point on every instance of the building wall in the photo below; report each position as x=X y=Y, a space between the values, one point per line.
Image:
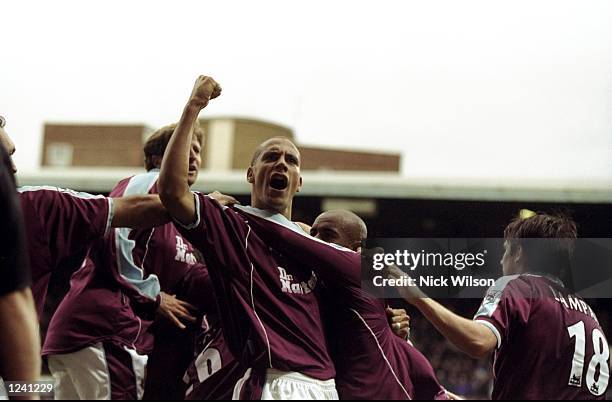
x=332 y=159
x=249 y=134
x=229 y=145
x=242 y=136
x=93 y=145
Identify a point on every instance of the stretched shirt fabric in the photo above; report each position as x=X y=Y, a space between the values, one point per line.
x=371 y=361
x=261 y=234
x=268 y=301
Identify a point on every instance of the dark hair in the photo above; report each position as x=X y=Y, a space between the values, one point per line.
x=551 y=255
x=158 y=142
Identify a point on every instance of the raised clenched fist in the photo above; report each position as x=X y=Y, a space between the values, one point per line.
x=204 y=89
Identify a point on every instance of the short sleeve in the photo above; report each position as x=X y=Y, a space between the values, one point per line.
x=506 y=306
x=72 y=221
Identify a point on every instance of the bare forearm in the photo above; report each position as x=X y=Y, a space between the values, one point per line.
x=173 y=179
x=19 y=338
x=472 y=338
x=469 y=336
x=139 y=212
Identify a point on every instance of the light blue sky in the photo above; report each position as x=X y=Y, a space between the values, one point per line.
x=463 y=88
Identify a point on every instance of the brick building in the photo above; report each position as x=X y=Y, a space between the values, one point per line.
x=229 y=145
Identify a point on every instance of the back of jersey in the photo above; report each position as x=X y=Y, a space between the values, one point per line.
x=550 y=344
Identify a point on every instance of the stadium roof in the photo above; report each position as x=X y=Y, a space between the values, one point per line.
x=354 y=185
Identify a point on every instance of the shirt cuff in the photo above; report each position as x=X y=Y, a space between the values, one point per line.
x=111 y=215
x=196 y=223
x=493 y=329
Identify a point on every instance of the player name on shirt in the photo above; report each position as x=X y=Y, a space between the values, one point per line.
x=573 y=303
x=182 y=254
x=288 y=284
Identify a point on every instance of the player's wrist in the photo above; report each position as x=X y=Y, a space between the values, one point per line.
x=418 y=302
x=195 y=104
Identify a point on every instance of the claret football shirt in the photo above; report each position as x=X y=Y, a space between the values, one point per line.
x=61 y=226
x=113 y=297
x=371 y=361
x=268 y=301
x=549 y=342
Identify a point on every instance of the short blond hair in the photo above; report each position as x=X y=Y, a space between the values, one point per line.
x=158 y=142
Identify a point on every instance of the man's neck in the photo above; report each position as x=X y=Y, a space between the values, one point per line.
x=287 y=212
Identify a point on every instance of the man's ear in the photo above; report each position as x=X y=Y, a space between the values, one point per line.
x=157 y=161
x=356 y=246
x=518 y=255
x=250 y=175
x=300 y=185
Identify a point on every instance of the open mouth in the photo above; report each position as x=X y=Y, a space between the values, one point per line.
x=279 y=182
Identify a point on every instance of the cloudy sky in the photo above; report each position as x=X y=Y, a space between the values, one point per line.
x=470 y=88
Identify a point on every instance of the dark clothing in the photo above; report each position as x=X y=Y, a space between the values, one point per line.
x=14 y=263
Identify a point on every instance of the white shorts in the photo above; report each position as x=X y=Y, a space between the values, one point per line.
x=99 y=372
x=295 y=386
x=3 y=393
